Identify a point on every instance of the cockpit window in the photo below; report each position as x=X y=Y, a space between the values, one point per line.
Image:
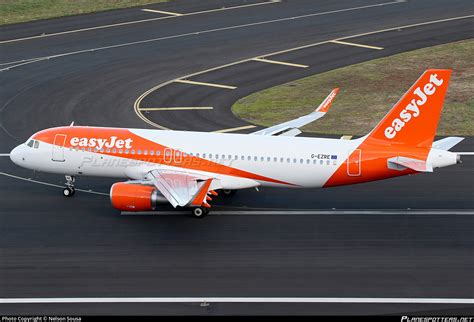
x=30 y=143
x=36 y=144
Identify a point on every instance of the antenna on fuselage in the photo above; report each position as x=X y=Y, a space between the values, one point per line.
x=72 y=124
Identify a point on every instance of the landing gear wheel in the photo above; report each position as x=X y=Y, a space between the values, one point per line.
x=200 y=212
x=229 y=193
x=68 y=192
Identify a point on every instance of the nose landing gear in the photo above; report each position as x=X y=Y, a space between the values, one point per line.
x=69 y=190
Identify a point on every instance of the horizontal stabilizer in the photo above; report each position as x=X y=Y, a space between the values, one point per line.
x=447 y=143
x=402 y=163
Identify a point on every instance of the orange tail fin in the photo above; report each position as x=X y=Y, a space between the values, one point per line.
x=414 y=119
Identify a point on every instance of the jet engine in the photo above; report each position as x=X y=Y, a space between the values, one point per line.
x=135 y=197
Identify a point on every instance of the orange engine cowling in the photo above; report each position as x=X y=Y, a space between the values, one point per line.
x=134 y=197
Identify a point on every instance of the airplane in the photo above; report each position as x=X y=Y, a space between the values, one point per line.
x=187 y=169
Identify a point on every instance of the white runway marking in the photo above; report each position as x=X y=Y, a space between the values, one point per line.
x=134 y=22
x=180 y=108
x=370 y=300
x=355 y=45
x=277 y=62
x=233 y=129
x=263 y=212
x=163 y=12
x=50 y=184
x=4 y=154
x=185 y=81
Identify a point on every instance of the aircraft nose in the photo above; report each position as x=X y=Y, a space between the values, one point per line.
x=17 y=156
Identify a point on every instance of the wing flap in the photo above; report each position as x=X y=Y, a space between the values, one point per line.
x=180 y=188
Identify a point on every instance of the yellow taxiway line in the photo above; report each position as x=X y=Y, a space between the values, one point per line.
x=235 y=129
x=355 y=45
x=185 y=81
x=163 y=12
x=270 y=61
x=177 y=108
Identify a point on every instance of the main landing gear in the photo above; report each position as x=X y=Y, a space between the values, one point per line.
x=228 y=193
x=69 y=190
x=200 y=212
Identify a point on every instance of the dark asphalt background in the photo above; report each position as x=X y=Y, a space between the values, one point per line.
x=80 y=247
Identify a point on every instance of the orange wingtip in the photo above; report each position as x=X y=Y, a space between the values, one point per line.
x=326 y=104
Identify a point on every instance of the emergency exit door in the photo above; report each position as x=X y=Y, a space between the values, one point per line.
x=354 y=163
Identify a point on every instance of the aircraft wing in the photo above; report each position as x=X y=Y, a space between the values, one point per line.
x=181 y=188
x=291 y=128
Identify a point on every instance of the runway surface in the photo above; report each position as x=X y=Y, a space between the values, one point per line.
x=80 y=247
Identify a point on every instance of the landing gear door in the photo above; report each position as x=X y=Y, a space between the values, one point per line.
x=354 y=163
x=58 y=148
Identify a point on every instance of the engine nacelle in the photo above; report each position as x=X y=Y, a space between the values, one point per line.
x=135 y=197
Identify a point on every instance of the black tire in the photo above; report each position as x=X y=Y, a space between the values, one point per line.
x=68 y=192
x=229 y=193
x=200 y=212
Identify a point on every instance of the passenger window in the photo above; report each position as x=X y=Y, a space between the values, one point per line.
x=262 y=159
x=314 y=161
x=139 y=151
x=145 y=152
x=126 y=151
x=158 y=152
x=328 y=162
x=204 y=155
x=120 y=151
x=288 y=160
x=301 y=160
x=281 y=160
x=210 y=156
x=307 y=161
x=108 y=150
x=152 y=152
x=294 y=160
x=132 y=151
x=255 y=158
